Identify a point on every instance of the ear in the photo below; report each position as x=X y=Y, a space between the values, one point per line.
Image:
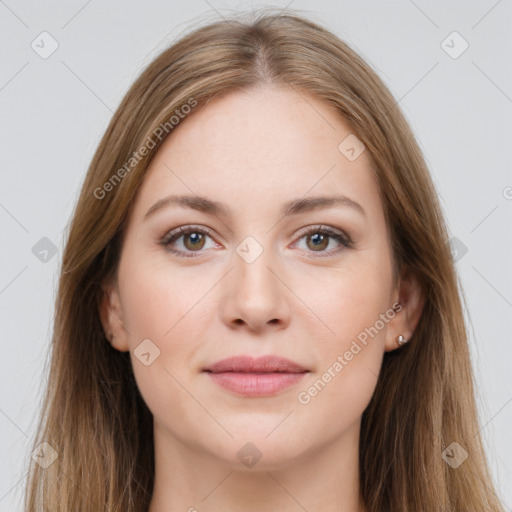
x=110 y=311
x=410 y=296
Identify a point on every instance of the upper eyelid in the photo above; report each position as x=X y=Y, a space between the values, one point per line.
x=321 y=227
x=184 y=230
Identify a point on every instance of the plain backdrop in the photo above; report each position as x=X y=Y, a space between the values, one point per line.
x=454 y=88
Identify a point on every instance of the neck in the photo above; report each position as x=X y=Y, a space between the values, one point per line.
x=325 y=479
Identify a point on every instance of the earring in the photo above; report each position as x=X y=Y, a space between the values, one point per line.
x=401 y=340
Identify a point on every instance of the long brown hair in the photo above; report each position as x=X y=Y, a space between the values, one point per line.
x=93 y=415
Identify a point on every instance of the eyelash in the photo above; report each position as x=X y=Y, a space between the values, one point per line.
x=175 y=234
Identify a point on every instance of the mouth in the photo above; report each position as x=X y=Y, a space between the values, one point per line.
x=255 y=377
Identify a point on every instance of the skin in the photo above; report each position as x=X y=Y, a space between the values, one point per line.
x=254 y=151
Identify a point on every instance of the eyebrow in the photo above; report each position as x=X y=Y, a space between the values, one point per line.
x=294 y=207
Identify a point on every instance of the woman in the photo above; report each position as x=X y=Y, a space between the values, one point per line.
x=258 y=307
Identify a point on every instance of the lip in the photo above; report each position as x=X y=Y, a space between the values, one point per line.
x=255 y=377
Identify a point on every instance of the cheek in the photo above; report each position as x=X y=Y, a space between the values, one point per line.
x=353 y=303
x=156 y=297
x=346 y=300
x=158 y=305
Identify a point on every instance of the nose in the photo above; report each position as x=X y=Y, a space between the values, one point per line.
x=254 y=295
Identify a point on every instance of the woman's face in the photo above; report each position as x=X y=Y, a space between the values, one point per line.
x=278 y=273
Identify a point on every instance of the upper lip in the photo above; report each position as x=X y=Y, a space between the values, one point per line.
x=249 y=364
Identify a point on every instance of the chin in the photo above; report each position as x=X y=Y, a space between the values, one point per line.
x=253 y=450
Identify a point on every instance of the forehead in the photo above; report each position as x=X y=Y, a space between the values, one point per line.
x=260 y=148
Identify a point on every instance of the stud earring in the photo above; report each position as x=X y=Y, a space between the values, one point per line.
x=401 y=340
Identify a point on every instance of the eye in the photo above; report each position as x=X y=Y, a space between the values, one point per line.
x=193 y=240
x=318 y=239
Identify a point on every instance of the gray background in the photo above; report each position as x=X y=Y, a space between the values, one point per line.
x=54 y=111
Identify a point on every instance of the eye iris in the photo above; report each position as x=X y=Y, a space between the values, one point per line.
x=195 y=238
x=319 y=239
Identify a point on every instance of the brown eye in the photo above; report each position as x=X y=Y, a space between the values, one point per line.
x=193 y=240
x=318 y=241
x=187 y=241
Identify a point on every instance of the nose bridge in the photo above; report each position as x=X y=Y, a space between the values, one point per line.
x=252 y=261
x=255 y=294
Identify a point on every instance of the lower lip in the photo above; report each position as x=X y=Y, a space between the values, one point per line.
x=256 y=384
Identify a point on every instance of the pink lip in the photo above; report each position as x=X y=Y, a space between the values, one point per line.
x=263 y=376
